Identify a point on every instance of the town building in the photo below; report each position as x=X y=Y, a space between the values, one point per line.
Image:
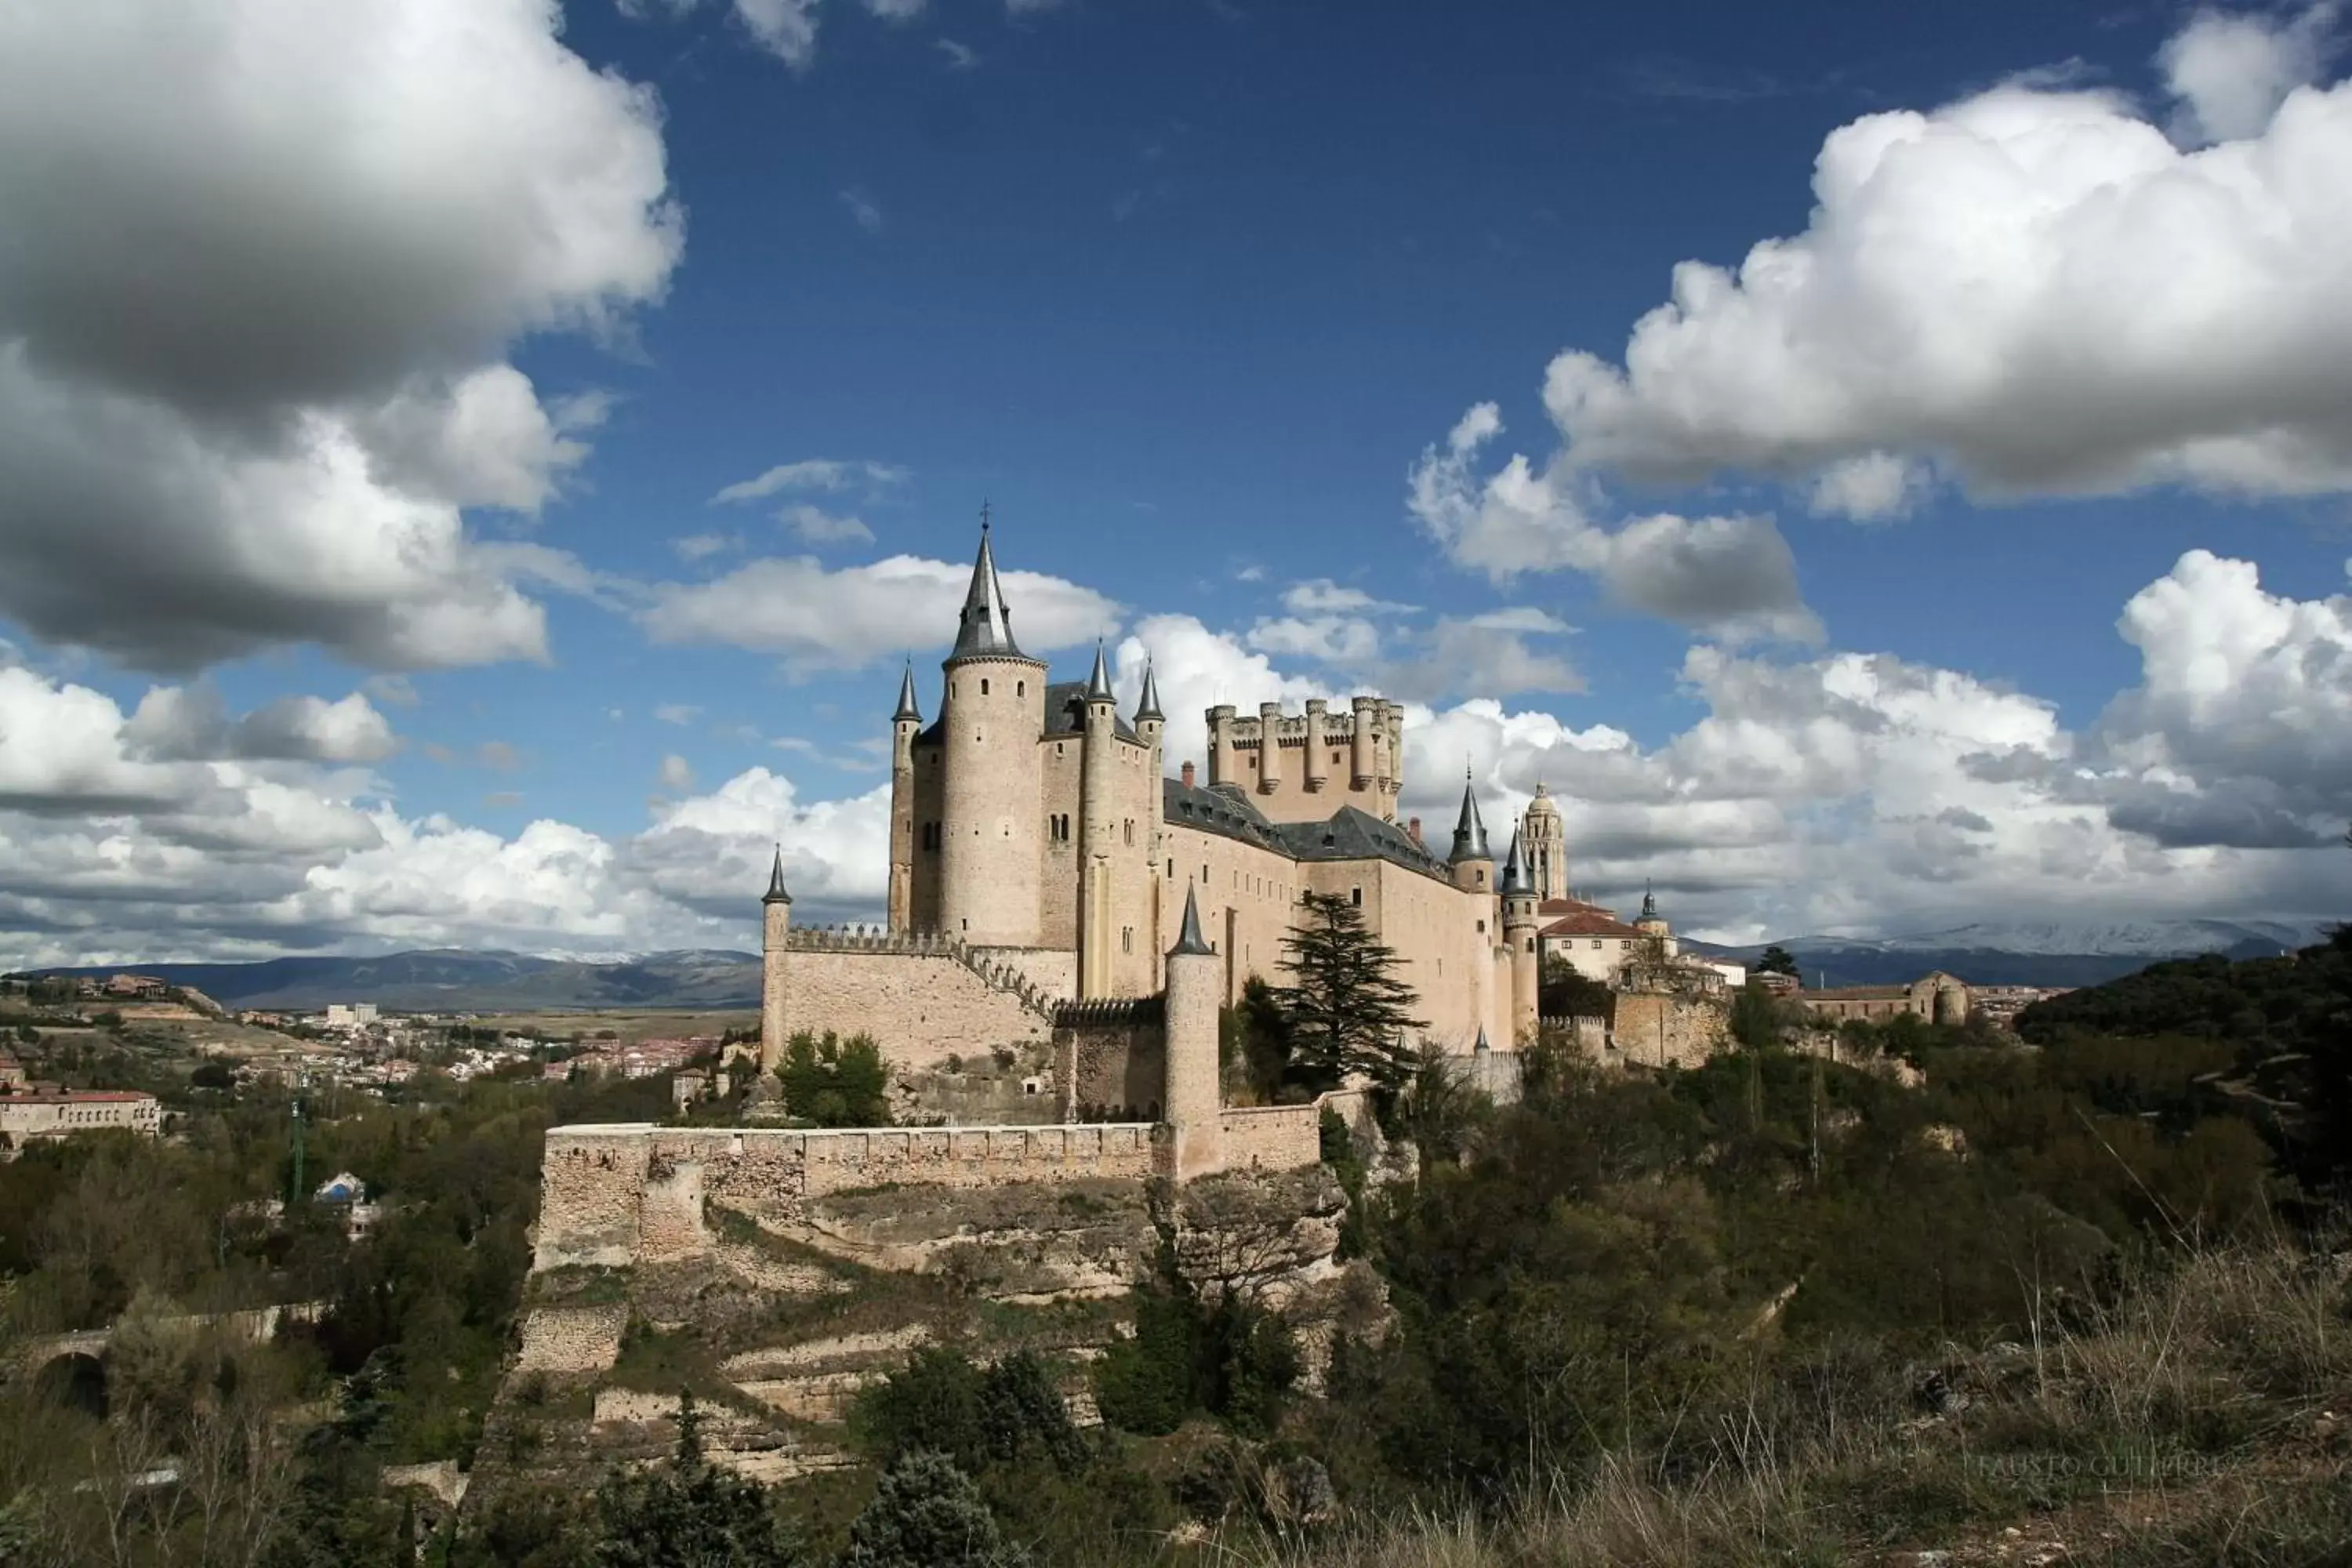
x=1936 y=998
x=43 y=1111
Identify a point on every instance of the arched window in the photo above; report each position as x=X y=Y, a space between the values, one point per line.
x=1020 y=688
x=983 y=685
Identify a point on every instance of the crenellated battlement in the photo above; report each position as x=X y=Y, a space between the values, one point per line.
x=1110 y=1010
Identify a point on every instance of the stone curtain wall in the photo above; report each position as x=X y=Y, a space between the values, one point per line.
x=1111 y=1060
x=617 y=1195
x=572 y=1339
x=1653 y=1029
x=919 y=1006
x=1272 y=1137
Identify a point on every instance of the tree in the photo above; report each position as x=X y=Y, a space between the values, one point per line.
x=1565 y=992
x=925 y=1513
x=1348 y=1010
x=1777 y=960
x=836 y=1082
x=691 y=1515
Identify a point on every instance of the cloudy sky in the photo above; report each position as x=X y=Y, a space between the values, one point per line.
x=470 y=469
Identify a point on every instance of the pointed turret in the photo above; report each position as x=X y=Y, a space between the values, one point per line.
x=775 y=893
x=1470 y=830
x=1649 y=904
x=1188 y=937
x=1482 y=1048
x=907 y=712
x=1148 y=708
x=1099 y=683
x=1514 y=879
x=984 y=626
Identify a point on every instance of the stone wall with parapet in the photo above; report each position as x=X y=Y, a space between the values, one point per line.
x=922 y=998
x=619 y=1193
x=572 y=1339
x=1271 y=1137
x=1110 y=1058
x=1661 y=1030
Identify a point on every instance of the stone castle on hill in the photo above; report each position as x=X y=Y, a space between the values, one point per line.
x=1034 y=830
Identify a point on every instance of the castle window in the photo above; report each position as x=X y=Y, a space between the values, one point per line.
x=1130 y=830
x=1356 y=896
x=1020 y=688
x=1127 y=939
x=1482 y=928
x=983 y=685
x=1057 y=747
x=1482 y=879
x=1204 y=873
x=1531 y=944
x=1171 y=869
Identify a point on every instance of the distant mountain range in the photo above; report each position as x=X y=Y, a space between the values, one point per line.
x=2026 y=952
x=447 y=980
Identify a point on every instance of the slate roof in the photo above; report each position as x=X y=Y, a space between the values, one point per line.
x=1222 y=809
x=1065 y=712
x=1354 y=835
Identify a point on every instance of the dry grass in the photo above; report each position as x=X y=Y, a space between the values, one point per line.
x=2191 y=1419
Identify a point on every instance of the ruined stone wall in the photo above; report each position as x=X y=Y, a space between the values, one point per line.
x=572 y=1339
x=617 y=1195
x=1655 y=1029
x=920 y=1007
x=1111 y=1061
x=1272 y=1137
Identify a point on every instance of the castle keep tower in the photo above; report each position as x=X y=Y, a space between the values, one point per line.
x=775 y=931
x=1520 y=923
x=1546 y=847
x=1288 y=764
x=989 y=832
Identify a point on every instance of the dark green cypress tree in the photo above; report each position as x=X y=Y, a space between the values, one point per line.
x=1348 y=1010
x=925 y=1513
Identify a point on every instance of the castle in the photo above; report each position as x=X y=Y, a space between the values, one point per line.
x=1041 y=862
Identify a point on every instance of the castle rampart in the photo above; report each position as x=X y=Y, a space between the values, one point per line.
x=921 y=997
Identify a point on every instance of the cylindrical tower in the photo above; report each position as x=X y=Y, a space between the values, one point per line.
x=1471 y=863
x=1520 y=924
x=1192 y=1105
x=775 y=935
x=1221 y=764
x=1361 y=763
x=1317 y=770
x=1269 y=747
x=904 y=724
x=1151 y=723
x=1098 y=832
x=991 y=823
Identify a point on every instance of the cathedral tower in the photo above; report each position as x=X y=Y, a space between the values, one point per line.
x=1546 y=847
x=990 y=836
x=1520 y=924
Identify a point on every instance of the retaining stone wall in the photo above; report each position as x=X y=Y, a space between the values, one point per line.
x=920 y=1007
x=1271 y=1137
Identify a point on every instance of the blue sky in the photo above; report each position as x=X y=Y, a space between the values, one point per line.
x=408 y=515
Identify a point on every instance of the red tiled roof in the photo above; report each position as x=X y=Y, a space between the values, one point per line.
x=1857 y=993
x=1590 y=922
x=1570 y=906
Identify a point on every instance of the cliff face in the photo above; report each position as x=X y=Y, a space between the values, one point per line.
x=761 y=1272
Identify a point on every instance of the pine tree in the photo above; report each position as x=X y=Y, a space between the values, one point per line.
x=691 y=1514
x=925 y=1513
x=1349 y=1011
x=1777 y=960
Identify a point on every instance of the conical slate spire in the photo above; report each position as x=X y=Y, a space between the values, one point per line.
x=1514 y=879
x=1188 y=938
x=1482 y=1048
x=1148 y=708
x=775 y=893
x=907 y=708
x=1470 y=831
x=984 y=626
x=1099 y=683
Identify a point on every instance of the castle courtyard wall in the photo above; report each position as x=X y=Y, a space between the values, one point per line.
x=1656 y=1029
x=920 y=1007
x=1247 y=895
x=1111 y=1061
